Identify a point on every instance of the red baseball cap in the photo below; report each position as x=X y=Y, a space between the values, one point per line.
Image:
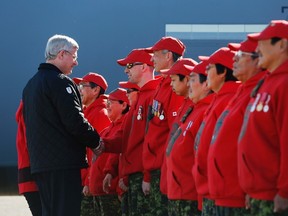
x=118 y=94
x=200 y=68
x=178 y=67
x=128 y=85
x=276 y=28
x=245 y=46
x=222 y=56
x=136 y=55
x=92 y=77
x=169 y=43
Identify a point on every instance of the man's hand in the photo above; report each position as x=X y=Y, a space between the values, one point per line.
x=122 y=185
x=86 y=191
x=99 y=149
x=280 y=203
x=146 y=187
x=107 y=183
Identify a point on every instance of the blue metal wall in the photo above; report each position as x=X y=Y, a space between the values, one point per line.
x=106 y=31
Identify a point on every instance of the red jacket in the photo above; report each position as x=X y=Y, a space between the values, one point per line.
x=164 y=104
x=105 y=163
x=132 y=161
x=25 y=181
x=222 y=156
x=263 y=146
x=96 y=114
x=180 y=156
x=187 y=103
x=204 y=135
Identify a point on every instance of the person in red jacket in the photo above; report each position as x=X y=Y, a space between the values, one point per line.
x=162 y=112
x=220 y=79
x=92 y=88
x=139 y=68
x=222 y=157
x=113 y=167
x=179 y=75
x=117 y=107
x=263 y=147
x=26 y=185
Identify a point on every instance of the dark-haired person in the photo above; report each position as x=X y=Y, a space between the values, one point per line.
x=181 y=191
x=221 y=81
x=222 y=157
x=263 y=147
x=92 y=88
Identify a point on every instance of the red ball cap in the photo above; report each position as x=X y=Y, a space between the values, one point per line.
x=200 y=68
x=136 y=55
x=169 y=43
x=118 y=94
x=128 y=85
x=179 y=68
x=276 y=28
x=93 y=77
x=222 y=56
x=245 y=46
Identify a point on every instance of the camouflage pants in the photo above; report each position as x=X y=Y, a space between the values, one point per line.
x=227 y=211
x=208 y=207
x=109 y=205
x=183 y=208
x=264 y=208
x=89 y=207
x=137 y=203
x=158 y=201
x=124 y=204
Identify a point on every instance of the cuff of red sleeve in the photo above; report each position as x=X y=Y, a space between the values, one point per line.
x=146 y=176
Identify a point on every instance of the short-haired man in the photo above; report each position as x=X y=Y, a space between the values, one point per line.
x=263 y=149
x=56 y=130
x=163 y=111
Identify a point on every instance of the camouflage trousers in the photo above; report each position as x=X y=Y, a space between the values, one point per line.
x=105 y=205
x=89 y=207
x=183 y=208
x=124 y=204
x=109 y=205
x=264 y=208
x=138 y=204
x=228 y=211
x=158 y=202
x=208 y=207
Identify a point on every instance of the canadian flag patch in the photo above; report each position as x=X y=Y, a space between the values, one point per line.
x=69 y=90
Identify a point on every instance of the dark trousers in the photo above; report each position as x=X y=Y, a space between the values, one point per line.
x=34 y=202
x=60 y=192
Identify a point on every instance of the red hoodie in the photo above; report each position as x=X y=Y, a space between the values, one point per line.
x=180 y=155
x=263 y=145
x=187 y=103
x=96 y=114
x=222 y=156
x=164 y=104
x=204 y=135
x=105 y=163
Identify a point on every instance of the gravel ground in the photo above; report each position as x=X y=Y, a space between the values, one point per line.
x=14 y=206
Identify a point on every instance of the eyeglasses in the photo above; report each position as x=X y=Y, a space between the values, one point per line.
x=109 y=102
x=128 y=91
x=81 y=86
x=240 y=53
x=75 y=57
x=131 y=65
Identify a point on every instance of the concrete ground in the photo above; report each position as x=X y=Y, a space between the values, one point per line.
x=14 y=206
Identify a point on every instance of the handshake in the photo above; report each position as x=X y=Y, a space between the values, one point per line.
x=99 y=149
